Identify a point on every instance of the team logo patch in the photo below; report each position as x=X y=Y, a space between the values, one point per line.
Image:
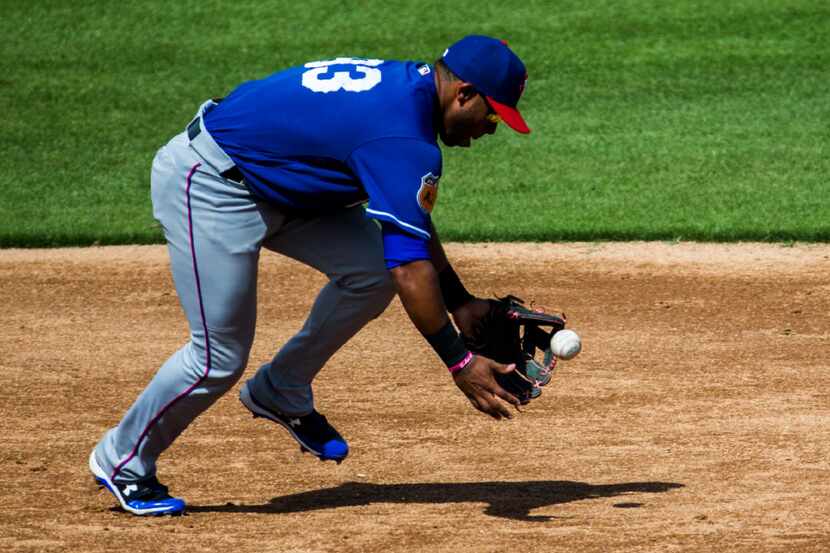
x=428 y=193
x=523 y=85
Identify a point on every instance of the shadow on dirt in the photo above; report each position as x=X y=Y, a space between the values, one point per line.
x=513 y=500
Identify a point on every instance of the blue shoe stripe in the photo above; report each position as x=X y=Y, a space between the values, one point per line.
x=170 y=506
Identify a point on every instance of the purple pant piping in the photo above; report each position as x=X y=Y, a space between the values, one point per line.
x=164 y=409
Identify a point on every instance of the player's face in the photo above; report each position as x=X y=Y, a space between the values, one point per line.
x=468 y=118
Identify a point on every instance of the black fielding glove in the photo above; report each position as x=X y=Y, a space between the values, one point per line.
x=512 y=333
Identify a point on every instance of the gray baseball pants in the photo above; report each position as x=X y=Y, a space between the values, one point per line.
x=215 y=229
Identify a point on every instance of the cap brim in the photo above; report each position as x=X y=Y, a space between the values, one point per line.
x=510 y=115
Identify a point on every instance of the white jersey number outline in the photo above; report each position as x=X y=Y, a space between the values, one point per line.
x=341 y=80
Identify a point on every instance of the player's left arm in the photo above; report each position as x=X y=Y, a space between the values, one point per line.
x=465 y=308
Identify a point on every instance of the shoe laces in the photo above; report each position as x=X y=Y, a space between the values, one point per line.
x=149 y=489
x=317 y=423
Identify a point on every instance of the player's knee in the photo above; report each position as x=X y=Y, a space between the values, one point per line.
x=384 y=285
x=228 y=363
x=223 y=355
x=374 y=283
x=376 y=287
x=383 y=291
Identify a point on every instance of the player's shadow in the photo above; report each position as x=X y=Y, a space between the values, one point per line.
x=513 y=500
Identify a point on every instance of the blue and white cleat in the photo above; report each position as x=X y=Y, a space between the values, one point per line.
x=313 y=432
x=143 y=498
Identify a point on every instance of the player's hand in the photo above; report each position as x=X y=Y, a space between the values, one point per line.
x=478 y=384
x=467 y=317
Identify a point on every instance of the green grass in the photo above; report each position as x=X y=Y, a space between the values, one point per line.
x=694 y=120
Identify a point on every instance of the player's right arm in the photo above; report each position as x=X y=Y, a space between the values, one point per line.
x=466 y=309
x=401 y=178
x=420 y=294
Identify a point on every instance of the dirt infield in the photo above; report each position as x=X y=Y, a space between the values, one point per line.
x=696 y=419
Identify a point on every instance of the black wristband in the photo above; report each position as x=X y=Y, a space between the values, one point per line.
x=448 y=345
x=452 y=290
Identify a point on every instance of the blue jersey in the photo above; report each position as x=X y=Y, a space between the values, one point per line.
x=336 y=133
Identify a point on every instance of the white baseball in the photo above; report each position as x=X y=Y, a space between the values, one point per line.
x=566 y=344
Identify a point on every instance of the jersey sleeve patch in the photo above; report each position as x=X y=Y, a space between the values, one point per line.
x=428 y=192
x=400 y=176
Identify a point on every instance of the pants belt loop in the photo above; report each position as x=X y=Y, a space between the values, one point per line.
x=203 y=143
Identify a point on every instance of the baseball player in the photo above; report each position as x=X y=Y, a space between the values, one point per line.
x=286 y=163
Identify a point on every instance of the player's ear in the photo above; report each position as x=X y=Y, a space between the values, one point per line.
x=465 y=92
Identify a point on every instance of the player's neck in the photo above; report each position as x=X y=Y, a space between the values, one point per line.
x=440 y=102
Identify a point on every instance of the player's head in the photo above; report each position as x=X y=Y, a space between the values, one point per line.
x=480 y=82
